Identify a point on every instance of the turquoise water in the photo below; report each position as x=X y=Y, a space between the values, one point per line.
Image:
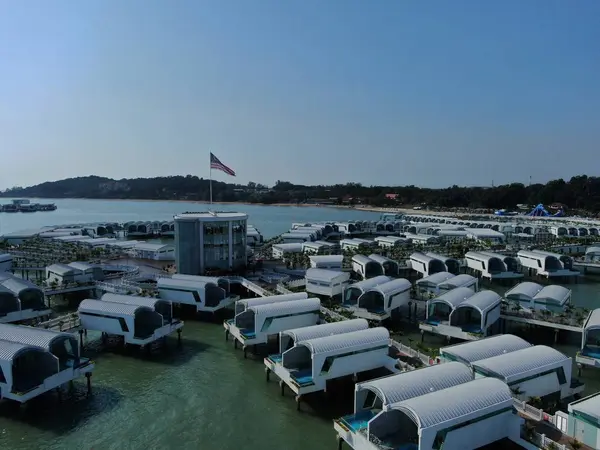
x=270 y=220
x=202 y=396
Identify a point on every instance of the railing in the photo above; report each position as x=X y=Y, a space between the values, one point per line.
x=544 y=442
x=414 y=353
x=332 y=314
x=296 y=283
x=282 y=289
x=62 y=323
x=122 y=287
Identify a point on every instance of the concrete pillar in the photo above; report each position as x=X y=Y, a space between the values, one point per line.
x=282 y=387
x=298 y=402
x=80 y=341
x=89 y=383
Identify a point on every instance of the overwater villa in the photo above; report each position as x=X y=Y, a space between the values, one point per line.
x=491 y=266
x=430 y=285
x=463 y=314
x=20 y=300
x=34 y=361
x=328 y=283
x=366 y=267
x=222 y=282
x=310 y=364
x=378 y=302
x=353 y=292
x=440 y=308
x=327 y=262
x=589 y=355
x=243 y=304
x=203 y=296
x=462 y=280
x=536 y=371
x=478 y=316
x=138 y=321
x=469 y=352
x=372 y=397
x=535 y=297
x=466 y=416
x=547 y=264
x=289 y=338
x=426 y=265
x=452 y=264
x=390 y=267
x=5 y=262
x=254 y=325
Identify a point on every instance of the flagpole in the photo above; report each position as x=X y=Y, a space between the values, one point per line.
x=210 y=182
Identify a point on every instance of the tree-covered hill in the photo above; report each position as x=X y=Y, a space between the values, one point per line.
x=579 y=193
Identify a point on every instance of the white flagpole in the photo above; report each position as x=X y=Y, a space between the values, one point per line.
x=210 y=181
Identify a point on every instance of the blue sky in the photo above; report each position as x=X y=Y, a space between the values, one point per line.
x=428 y=93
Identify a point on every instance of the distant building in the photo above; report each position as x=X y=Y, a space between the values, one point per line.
x=210 y=241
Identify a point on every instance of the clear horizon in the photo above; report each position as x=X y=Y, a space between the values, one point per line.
x=432 y=95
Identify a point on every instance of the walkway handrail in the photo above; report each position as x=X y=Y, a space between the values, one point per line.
x=425 y=359
x=282 y=289
x=546 y=442
x=66 y=322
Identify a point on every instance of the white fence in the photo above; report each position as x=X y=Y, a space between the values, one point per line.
x=63 y=323
x=544 y=442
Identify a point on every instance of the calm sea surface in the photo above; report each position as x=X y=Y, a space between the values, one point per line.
x=270 y=220
x=204 y=395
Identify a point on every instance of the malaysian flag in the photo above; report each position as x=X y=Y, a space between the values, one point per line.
x=218 y=165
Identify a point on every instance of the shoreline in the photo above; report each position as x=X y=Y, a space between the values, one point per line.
x=203 y=202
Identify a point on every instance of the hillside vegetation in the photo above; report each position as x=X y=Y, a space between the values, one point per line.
x=579 y=193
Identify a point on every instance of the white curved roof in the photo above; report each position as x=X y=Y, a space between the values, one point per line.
x=458 y=281
x=362 y=259
x=400 y=387
x=370 y=283
x=381 y=259
x=182 y=283
x=38 y=337
x=554 y=293
x=15 y=284
x=10 y=350
x=486 y=348
x=327 y=259
x=248 y=302
x=520 y=363
x=454 y=297
x=393 y=286
x=593 y=320
x=481 y=256
x=198 y=278
x=324 y=275
x=482 y=301
x=347 y=341
x=497 y=255
x=61 y=269
x=281 y=308
x=422 y=257
x=326 y=329
x=150 y=302
x=100 y=307
x=440 y=257
x=526 y=289
x=436 y=278
x=535 y=255
x=592 y=249
x=456 y=402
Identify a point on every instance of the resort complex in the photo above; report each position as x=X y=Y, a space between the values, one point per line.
x=329 y=307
